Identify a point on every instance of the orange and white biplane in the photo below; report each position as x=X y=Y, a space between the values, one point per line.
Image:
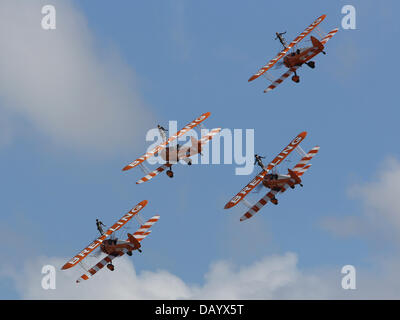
x=276 y=183
x=173 y=154
x=298 y=56
x=110 y=245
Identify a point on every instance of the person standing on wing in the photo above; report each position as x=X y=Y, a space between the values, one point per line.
x=259 y=161
x=98 y=225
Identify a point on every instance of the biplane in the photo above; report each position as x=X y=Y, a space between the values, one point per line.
x=173 y=154
x=111 y=245
x=270 y=179
x=298 y=56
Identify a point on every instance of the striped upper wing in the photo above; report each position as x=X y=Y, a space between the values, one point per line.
x=209 y=136
x=157 y=149
x=154 y=173
x=142 y=233
x=303 y=165
x=121 y=222
x=283 y=52
x=278 y=159
x=329 y=36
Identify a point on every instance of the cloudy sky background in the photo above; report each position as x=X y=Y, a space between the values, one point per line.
x=76 y=102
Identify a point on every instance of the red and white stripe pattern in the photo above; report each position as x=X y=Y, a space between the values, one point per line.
x=140 y=234
x=209 y=136
x=329 y=36
x=283 y=52
x=261 y=203
x=280 y=80
x=278 y=159
x=154 y=173
x=100 y=265
x=158 y=148
x=95 y=244
x=300 y=167
x=144 y=231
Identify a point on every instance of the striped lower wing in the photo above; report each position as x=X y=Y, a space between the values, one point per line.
x=261 y=203
x=280 y=80
x=153 y=173
x=100 y=265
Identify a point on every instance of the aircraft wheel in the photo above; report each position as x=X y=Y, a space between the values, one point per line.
x=274 y=201
x=311 y=64
x=170 y=173
x=129 y=253
x=292 y=187
x=296 y=78
x=190 y=162
x=110 y=267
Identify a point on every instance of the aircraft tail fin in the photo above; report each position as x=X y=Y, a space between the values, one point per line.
x=196 y=145
x=134 y=241
x=316 y=43
x=294 y=176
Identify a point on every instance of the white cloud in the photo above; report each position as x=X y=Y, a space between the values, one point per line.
x=380 y=215
x=269 y=278
x=272 y=277
x=62 y=84
x=381 y=196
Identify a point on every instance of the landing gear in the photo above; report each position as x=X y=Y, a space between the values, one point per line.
x=311 y=64
x=129 y=253
x=292 y=186
x=274 y=201
x=300 y=185
x=110 y=267
x=139 y=250
x=189 y=163
x=295 y=78
x=170 y=173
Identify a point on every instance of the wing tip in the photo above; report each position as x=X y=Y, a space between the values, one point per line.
x=303 y=134
x=228 y=206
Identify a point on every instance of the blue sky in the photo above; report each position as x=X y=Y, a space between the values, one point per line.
x=181 y=59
